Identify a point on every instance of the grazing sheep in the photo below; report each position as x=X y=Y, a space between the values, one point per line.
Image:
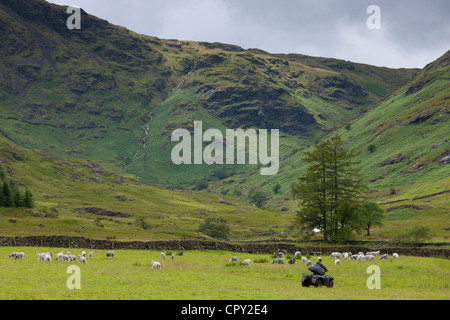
x=91 y=255
x=59 y=256
x=278 y=261
x=395 y=255
x=298 y=254
x=335 y=255
x=292 y=261
x=65 y=258
x=163 y=256
x=370 y=257
x=72 y=258
x=110 y=255
x=17 y=255
x=384 y=256
x=247 y=262
x=233 y=259
x=279 y=254
x=337 y=262
x=83 y=254
x=172 y=257
x=304 y=260
x=47 y=258
x=156 y=265
x=82 y=259
x=308 y=263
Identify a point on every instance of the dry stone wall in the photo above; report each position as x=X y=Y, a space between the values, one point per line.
x=265 y=247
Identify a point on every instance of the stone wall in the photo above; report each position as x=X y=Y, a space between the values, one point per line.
x=264 y=247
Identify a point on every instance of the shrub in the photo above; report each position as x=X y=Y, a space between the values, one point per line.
x=215 y=227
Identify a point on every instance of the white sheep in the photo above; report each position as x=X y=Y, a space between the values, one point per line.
x=395 y=255
x=298 y=254
x=82 y=259
x=335 y=255
x=83 y=254
x=370 y=257
x=337 y=262
x=66 y=258
x=233 y=259
x=308 y=263
x=247 y=262
x=156 y=265
x=172 y=257
x=384 y=256
x=278 y=261
x=110 y=255
x=72 y=258
x=91 y=255
x=304 y=260
x=163 y=256
x=59 y=256
x=47 y=258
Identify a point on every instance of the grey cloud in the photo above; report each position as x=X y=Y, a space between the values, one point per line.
x=413 y=33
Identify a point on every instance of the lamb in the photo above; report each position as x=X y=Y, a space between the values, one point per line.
x=384 y=256
x=82 y=259
x=337 y=262
x=233 y=259
x=156 y=265
x=91 y=255
x=246 y=262
x=163 y=256
x=395 y=255
x=110 y=255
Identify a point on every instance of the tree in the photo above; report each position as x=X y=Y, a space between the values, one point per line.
x=216 y=227
x=371 y=216
x=258 y=197
x=28 y=201
x=276 y=188
x=8 y=197
x=330 y=192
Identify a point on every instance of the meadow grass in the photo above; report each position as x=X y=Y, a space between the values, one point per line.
x=207 y=275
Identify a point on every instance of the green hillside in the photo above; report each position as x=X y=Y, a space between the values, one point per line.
x=86 y=118
x=408 y=135
x=89 y=93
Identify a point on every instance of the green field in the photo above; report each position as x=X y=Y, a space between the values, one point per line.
x=207 y=275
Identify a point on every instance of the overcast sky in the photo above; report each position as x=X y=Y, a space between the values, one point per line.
x=413 y=33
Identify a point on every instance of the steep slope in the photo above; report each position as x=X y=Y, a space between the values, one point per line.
x=108 y=94
x=405 y=149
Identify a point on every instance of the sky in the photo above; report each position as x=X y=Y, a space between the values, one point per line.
x=412 y=33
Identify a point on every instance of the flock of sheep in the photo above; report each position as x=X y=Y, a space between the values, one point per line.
x=69 y=258
x=369 y=256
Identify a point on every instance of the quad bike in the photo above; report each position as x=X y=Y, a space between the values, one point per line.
x=317 y=280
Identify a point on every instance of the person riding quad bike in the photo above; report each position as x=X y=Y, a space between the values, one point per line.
x=317 y=268
x=318 y=278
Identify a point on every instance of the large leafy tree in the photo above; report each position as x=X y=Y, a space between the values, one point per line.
x=371 y=216
x=331 y=190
